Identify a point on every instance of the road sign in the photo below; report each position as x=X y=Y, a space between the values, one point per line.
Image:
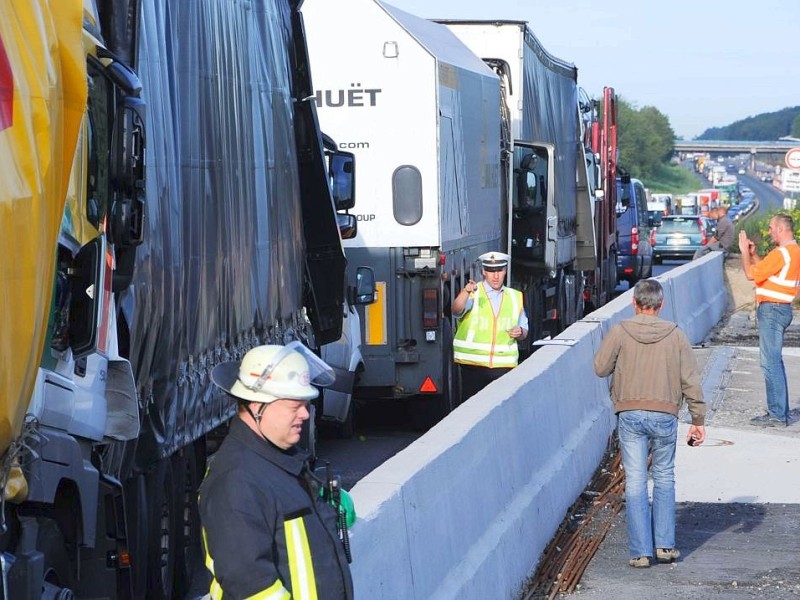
x=793 y=159
x=791 y=186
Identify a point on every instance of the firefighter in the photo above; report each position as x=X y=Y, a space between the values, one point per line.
x=491 y=318
x=267 y=531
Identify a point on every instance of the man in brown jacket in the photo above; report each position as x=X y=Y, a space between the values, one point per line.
x=653 y=369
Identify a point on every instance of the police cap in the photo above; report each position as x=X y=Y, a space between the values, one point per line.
x=494 y=261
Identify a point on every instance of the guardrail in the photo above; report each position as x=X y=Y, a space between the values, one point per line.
x=466 y=510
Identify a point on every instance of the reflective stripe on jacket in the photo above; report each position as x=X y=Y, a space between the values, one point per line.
x=482 y=337
x=777 y=276
x=267 y=534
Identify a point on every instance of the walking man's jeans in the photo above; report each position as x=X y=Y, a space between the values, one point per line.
x=773 y=319
x=641 y=431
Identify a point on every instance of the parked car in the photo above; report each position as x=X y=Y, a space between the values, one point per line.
x=747 y=204
x=736 y=212
x=634 y=252
x=678 y=237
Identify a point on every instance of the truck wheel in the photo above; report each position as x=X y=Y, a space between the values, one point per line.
x=163 y=528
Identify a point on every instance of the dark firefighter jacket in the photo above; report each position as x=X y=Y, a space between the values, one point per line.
x=267 y=533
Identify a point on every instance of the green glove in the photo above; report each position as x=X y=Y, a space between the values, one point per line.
x=348 y=508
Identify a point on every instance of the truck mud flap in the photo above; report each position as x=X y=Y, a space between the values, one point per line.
x=106 y=568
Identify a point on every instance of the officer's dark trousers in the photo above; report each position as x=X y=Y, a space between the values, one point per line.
x=474 y=379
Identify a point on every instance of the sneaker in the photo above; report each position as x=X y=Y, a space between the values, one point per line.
x=642 y=562
x=667 y=555
x=767 y=421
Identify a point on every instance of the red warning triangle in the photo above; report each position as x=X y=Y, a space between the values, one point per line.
x=428 y=386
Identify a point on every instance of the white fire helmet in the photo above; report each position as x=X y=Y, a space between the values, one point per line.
x=269 y=373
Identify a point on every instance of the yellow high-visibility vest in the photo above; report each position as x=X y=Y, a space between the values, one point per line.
x=482 y=337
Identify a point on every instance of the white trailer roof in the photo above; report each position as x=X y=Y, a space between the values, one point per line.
x=443 y=45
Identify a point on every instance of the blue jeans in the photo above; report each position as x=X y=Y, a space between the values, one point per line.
x=642 y=431
x=773 y=319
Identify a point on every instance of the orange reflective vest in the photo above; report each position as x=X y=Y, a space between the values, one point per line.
x=481 y=338
x=777 y=276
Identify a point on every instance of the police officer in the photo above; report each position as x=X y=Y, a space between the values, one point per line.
x=491 y=318
x=267 y=532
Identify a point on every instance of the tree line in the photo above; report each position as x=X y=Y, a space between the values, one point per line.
x=763 y=127
x=645 y=139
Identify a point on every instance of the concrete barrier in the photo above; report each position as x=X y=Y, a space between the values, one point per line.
x=466 y=511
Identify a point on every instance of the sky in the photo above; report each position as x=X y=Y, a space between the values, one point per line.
x=703 y=64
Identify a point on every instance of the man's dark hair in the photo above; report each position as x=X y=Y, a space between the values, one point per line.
x=648 y=294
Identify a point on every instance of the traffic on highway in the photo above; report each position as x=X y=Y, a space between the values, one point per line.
x=383 y=429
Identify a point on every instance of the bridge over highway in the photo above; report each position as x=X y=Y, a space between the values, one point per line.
x=732 y=147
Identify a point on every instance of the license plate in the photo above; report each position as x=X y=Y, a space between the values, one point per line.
x=677 y=241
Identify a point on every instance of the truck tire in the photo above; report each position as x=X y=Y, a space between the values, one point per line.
x=162 y=528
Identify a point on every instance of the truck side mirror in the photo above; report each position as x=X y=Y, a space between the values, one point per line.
x=126 y=215
x=85 y=279
x=364 y=290
x=348 y=226
x=342 y=169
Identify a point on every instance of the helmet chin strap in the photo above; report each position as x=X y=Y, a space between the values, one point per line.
x=257 y=417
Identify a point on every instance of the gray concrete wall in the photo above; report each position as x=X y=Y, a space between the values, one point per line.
x=466 y=511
